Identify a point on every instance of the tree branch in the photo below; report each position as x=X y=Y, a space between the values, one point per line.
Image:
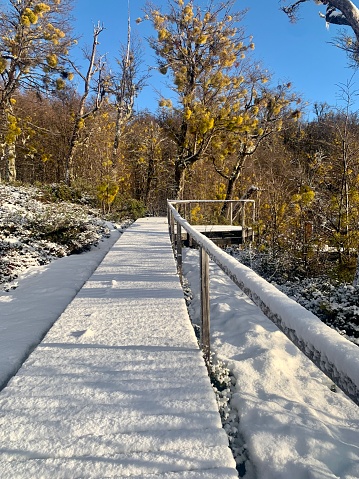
x=291 y=10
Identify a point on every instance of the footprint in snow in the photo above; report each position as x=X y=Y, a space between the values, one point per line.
x=85 y=333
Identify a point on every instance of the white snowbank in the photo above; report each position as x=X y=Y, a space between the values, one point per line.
x=294 y=425
x=334 y=354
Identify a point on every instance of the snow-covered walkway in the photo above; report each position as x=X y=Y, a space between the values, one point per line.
x=118 y=387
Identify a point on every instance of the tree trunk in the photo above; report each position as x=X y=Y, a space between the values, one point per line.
x=179 y=180
x=350 y=12
x=229 y=194
x=232 y=181
x=69 y=173
x=150 y=176
x=9 y=156
x=95 y=66
x=356 y=277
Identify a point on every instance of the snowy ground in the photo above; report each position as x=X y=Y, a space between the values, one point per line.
x=118 y=388
x=294 y=422
x=42 y=294
x=294 y=425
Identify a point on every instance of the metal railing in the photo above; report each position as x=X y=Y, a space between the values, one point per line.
x=337 y=357
x=239 y=205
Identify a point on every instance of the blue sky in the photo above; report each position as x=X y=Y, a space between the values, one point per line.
x=300 y=53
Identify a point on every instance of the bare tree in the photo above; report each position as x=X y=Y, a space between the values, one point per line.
x=338 y=12
x=126 y=85
x=95 y=82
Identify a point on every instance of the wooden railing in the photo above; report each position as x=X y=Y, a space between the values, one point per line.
x=337 y=357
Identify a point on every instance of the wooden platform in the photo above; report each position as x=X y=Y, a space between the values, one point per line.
x=223 y=235
x=118 y=388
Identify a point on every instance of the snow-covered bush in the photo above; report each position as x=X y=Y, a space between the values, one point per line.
x=34 y=231
x=336 y=304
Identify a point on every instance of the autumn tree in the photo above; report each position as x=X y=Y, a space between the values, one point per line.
x=124 y=86
x=148 y=150
x=198 y=48
x=254 y=113
x=45 y=130
x=34 y=43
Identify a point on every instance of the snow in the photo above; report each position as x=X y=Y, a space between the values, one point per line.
x=118 y=387
x=28 y=312
x=332 y=353
x=293 y=424
x=85 y=372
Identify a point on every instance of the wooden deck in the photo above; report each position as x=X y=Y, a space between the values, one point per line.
x=118 y=388
x=223 y=235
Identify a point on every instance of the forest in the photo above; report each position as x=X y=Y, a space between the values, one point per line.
x=230 y=134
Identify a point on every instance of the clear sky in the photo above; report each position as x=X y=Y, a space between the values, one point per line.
x=300 y=53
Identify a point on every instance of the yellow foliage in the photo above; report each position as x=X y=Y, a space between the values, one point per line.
x=202 y=39
x=13 y=129
x=187 y=113
x=187 y=13
x=296 y=198
x=158 y=20
x=28 y=17
x=60 y=84
x=52 y=60
x=163 y=34
x=80 y=123
x=165 y=103
x=308 y=196
x=107 y=192
x=221 y=192
x=107 y=163
x=305 y=197
x=41 y=8
x=45 y=157
x=196 y=216
x=53 y=34
x=3 y=65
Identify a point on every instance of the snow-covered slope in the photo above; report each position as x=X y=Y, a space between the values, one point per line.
x=34 y=231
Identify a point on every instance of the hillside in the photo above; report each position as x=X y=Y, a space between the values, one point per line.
x=36 y=228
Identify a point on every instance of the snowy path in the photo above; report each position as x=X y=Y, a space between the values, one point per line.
x=118 y=387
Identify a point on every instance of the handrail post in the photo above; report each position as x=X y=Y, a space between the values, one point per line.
x=243 y=222
x=179 y=250
x=205 y=309
x=172 y=231
x=169 y=214
x=190 y=242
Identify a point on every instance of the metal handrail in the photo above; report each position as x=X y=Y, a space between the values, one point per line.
x=334 y=355
x=230 y=202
